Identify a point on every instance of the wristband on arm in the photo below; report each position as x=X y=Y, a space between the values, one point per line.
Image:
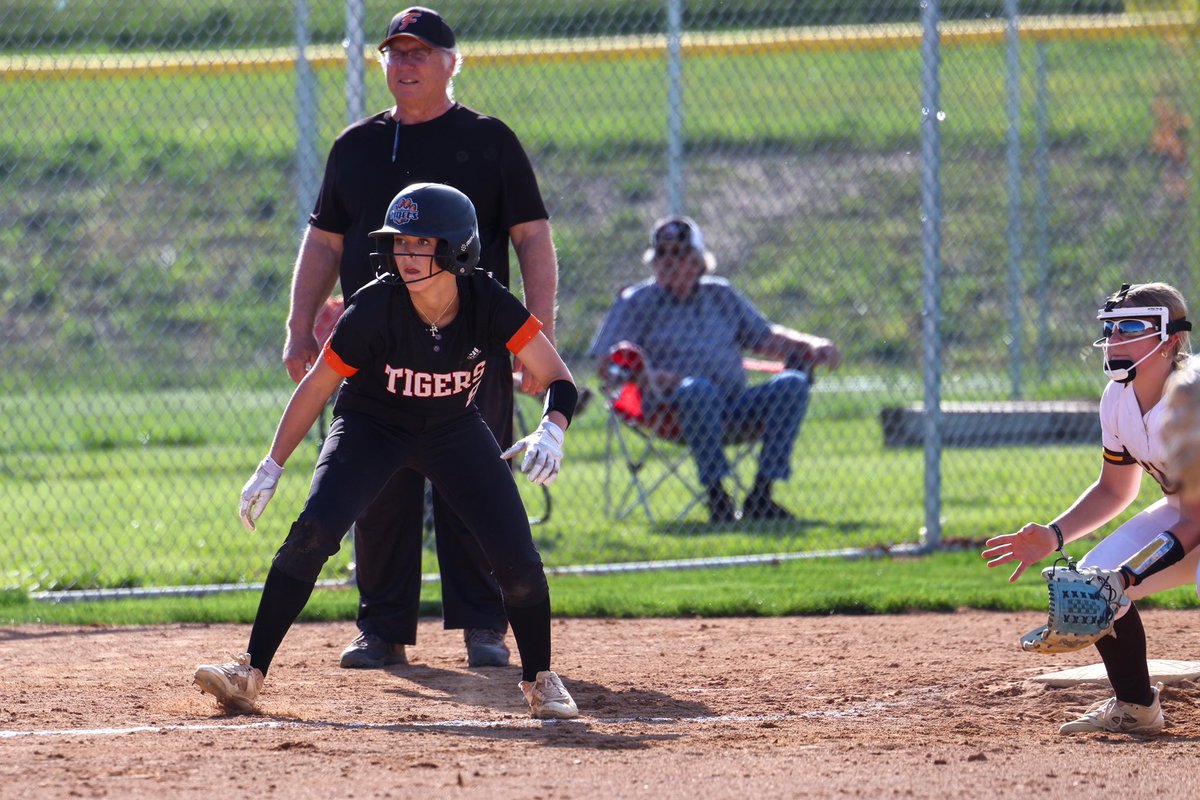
x=561 y=396
x=1058 y=532
x=1162 y=551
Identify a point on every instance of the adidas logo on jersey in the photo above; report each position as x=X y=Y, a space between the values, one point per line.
x=474 y=354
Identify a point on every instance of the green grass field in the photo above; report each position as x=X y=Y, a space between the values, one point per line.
x=147 y=381
x=135 y=494
x=847 y=263
x=944 y=581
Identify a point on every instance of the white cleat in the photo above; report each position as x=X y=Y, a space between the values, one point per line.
x=235 y=685
x=1116 y=717
x=548 y=698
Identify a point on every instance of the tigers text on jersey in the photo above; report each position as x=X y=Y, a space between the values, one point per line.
x=1130 y=437
x=395 y=368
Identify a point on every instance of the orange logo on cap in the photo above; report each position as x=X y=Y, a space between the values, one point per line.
x=408 y=19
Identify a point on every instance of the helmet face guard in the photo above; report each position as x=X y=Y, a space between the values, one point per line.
x=1123 y=370
x=431 y=211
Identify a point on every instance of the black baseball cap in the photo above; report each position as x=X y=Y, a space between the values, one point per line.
x=678 y=232
x=423 y=24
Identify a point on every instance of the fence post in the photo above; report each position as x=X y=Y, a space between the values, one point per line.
x=1041 y=171
x=307 y=166
x=675 y=106
x=1191 y=101
x=355 y=45
x=1013 y=59
x=931 y=250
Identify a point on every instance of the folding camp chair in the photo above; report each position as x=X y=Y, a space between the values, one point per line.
x=645 y=451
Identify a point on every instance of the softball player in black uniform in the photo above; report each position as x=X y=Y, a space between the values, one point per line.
x=411 y=349
x=424 y=137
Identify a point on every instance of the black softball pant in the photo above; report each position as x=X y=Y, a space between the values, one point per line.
x=389 y=538
x=459 y=456
x=461 y=459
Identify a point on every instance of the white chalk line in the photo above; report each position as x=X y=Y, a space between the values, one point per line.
x=453 y=723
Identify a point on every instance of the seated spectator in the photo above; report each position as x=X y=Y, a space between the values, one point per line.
x=693 y=328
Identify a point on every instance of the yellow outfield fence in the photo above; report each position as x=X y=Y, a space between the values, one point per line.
x=797 y=39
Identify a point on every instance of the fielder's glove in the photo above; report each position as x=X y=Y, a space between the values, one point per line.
x=259 y=490
x=543 y=453
x=1084 y=603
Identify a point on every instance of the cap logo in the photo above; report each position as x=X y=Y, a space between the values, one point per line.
x=403 y=211
x=675 y=232
x=408 y=19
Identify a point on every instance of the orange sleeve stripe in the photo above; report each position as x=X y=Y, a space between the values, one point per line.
x=524 y=334
x=1122 y=457
x=335 y=361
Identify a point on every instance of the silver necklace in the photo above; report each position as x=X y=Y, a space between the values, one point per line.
x=434 y=330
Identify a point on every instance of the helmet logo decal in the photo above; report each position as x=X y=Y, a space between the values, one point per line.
x=403 y=211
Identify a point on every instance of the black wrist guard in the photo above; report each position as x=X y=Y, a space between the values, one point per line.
x=1162 y=551
x=561 y=396
x=1058 y=533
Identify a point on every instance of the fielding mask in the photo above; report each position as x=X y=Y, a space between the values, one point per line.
x=1133 y=324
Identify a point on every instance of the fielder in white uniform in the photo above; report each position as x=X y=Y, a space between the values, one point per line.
x=1146 y=349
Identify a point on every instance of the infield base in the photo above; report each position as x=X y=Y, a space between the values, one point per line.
x=1161 y=669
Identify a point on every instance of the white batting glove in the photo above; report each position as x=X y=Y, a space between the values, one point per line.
x=543 y=453
x=259 y=490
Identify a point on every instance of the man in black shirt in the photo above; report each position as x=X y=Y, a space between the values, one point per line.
x=425 y=137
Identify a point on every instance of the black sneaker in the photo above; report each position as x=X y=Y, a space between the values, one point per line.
x=485 y=648
x=368 y=651
x=720 y=505
x=764 y=508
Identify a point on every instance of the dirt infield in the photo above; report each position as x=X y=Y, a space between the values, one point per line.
x=921 y=705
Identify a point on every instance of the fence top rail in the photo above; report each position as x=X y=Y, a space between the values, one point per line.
x=799 y=39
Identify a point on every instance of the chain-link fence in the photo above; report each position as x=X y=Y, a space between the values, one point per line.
x=159 y=159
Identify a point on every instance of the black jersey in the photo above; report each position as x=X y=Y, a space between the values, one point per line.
x=396 y=369
x=375 y=158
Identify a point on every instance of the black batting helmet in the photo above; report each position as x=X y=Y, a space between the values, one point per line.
x=434 y=211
